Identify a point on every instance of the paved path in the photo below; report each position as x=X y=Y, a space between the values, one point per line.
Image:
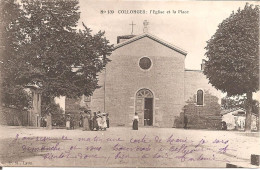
x=123 y=147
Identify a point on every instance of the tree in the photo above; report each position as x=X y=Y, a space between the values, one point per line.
x=12 y=94
x=62 y=60
x=233 y=56
x=232 y=102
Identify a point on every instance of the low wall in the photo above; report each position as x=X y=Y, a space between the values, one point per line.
x=13 y=117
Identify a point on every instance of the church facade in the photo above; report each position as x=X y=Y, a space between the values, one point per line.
x=147 y=75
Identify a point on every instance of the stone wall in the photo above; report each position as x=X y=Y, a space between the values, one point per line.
x=201 y=117
x=15 y=117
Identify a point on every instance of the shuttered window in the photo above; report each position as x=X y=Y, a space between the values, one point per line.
x=200 y=97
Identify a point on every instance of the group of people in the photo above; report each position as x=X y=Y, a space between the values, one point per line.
x=70 y=122
x=97 y=121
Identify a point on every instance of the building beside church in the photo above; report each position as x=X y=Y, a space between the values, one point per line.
x=236 y=119
x=147 y=75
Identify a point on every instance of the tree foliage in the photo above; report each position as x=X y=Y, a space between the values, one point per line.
x=12 y=93
x=233 y=53
x=52 y=53
x=239 y=102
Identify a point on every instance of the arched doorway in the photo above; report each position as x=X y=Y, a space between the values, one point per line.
x=144 y=106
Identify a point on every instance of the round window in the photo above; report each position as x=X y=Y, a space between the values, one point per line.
x=145 y=63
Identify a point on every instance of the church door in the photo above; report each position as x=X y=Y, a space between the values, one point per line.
x=144 y=106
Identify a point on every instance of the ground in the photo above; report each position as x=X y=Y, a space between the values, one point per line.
x=124 y=147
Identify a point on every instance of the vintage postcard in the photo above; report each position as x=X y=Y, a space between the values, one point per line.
x=147 y=84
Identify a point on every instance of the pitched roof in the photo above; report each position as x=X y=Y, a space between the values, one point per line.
x=226 y=111
x=171 y=46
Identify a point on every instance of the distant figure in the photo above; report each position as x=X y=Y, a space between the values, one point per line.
x=135 y=121
x=43 y=122
x=91 y=121
x=107 y=119
x=86 y=119
x=185 y=122
x=72 y=123
x=104 y=121
x=68 y=122
x=101 y=121
x=223 y=125
x=95 y=124
x=81 y=120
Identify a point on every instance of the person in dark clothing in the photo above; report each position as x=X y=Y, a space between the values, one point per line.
x=72 y=123
x=223 y=125
x=95 y=124
x=135 y=121
x=81 y=120
x=107 y=119
x=42 y=122
x=185 y=122
x=91 y=123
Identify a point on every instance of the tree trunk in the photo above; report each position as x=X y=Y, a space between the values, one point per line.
x=248 y=111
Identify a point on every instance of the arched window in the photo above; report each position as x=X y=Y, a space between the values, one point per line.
x=200 y=96
x=144 y=93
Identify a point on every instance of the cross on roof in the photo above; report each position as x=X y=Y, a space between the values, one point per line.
x=132 y=27
x=145 y=25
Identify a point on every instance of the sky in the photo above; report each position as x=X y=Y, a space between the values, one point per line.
x=189 y=31
x=189 y=27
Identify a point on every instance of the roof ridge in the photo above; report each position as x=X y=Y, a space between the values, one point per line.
x=137 y=37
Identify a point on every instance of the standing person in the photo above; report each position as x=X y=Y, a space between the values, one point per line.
x=86 y=119
x=107 y=119
x=135 y=121
x=185 y=122
x=95 y=124
x=91 y=120
x=72 y=123
x=42 y=122
x=103 y=121
x=81 y=120
x=68 y=122
x=99 y=121
x=45 y=121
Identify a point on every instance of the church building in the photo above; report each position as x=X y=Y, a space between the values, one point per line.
x=147 y=75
